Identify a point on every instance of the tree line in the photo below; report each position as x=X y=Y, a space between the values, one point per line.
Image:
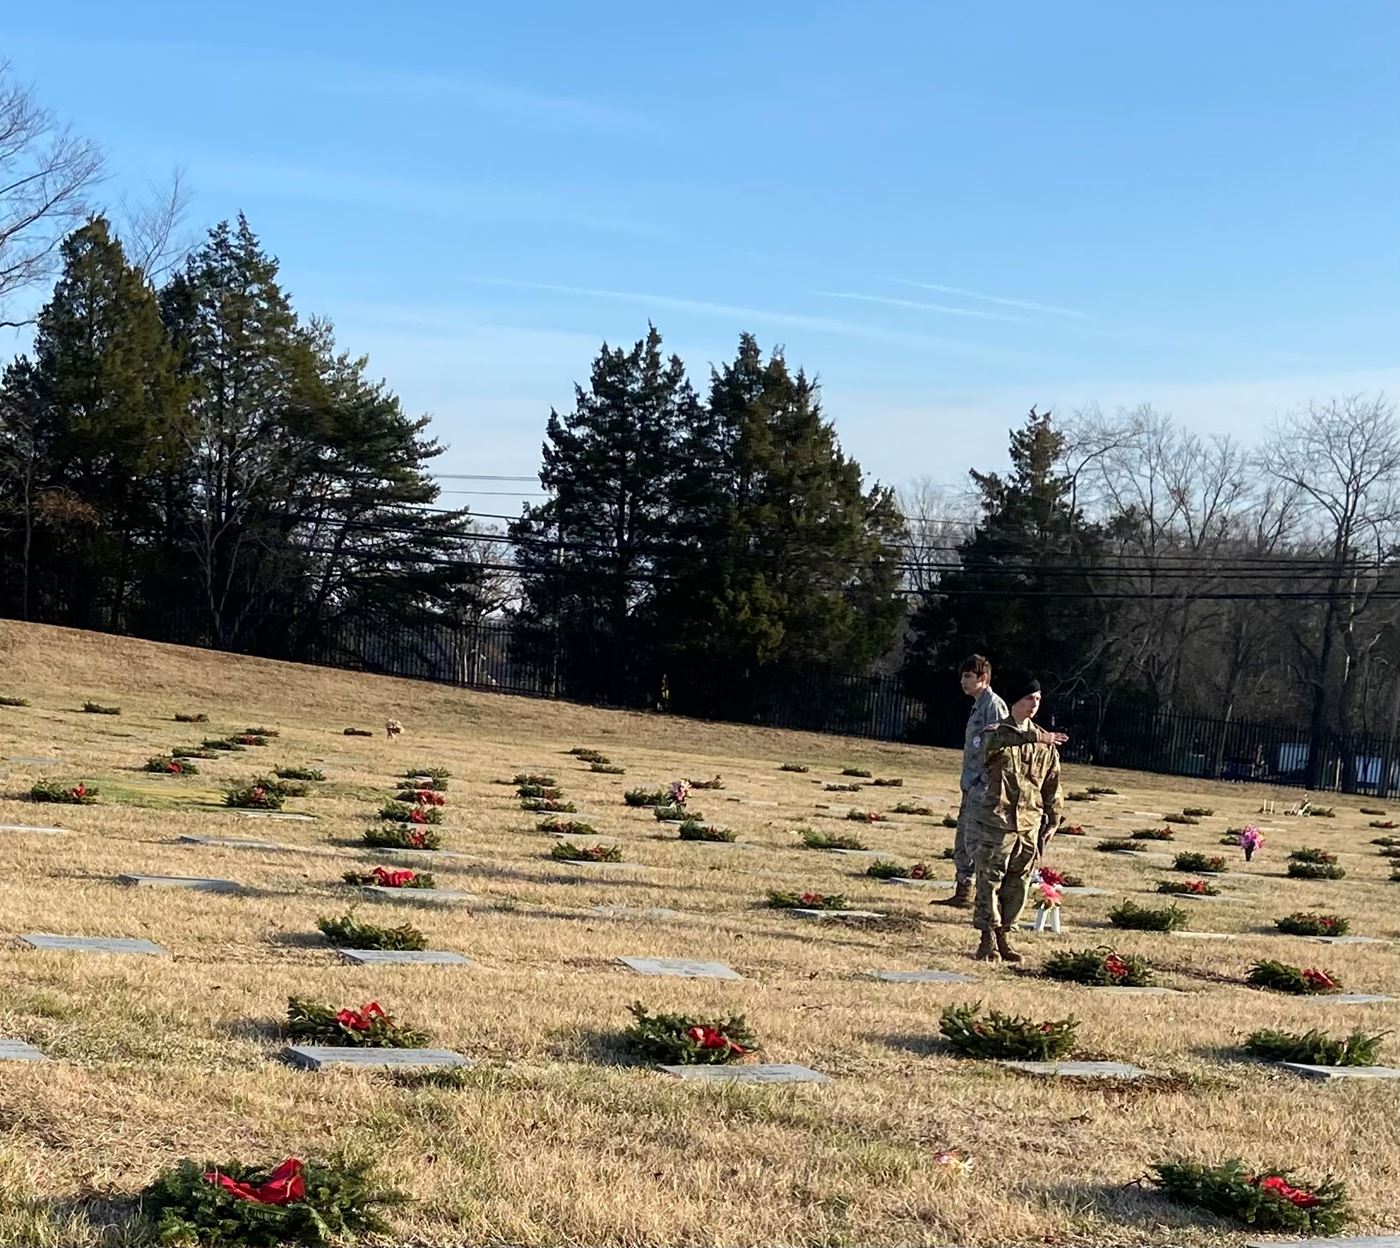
x=183 y=455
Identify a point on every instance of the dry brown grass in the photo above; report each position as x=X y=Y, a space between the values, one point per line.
x=556 y=1140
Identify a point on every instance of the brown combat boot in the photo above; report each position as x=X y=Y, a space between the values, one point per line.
x=961 y=898
x=1008 y=954
x=987 y=950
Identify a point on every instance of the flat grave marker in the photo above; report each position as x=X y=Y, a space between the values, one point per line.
x=901 y=879
x=767 y=1073
x=1079 y=1070
x=1087 y=892
x=411 y=895
x=1139 y=991
x=193 y=882
x=91 y=944
x=807 y=913
x=229 y=842
x=1340 y=1241
x=29 y=827
x=1349 y=998
x=19 y=1051
x=635 y=912
x=923 y=977
x=1206 y=935
x=33 y=762
x=1220 y=899
x=1328 y=1073
x=857 y=853
x=683 y=968
x=1348 y=940
x=419 y=855
x=321 y=1056
x=409 y=957
x=273 y=814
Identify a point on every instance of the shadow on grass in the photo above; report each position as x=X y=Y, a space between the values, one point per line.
x=1135 y=1205
x=595 y=1046
x=921 y=1044
x=262 y=1030
x=300 y=940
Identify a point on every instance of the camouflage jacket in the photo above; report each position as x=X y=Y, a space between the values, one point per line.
x=1022 y=780
x=986 y=711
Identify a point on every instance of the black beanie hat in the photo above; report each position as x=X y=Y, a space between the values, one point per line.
x=1019 y=685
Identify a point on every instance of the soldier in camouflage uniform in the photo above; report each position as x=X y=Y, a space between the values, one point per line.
x=987 y=709
x=1020 y=800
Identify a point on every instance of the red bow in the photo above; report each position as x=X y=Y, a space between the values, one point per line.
x=394 y=879
x=1298 y=1196
x=713 y=1038
x=284 y=1185
x=361 y=1019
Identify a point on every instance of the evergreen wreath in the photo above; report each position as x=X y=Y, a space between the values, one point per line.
x=1269 y=1200
x=1315 y=1048
x=813 y=839
x=1005 y=1037
x=1133 y=917
x=1101 y=967
x=677 y=1039
x=347 y=932
x=369 y=1027
x=304 y=1203
x=1298 y=981
x=778 y=899
x=402 y=836
x=1305 y=923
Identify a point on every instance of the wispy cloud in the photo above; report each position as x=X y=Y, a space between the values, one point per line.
x=920 y=306
x=760 y=316
x=494 y=201
x=300 y=74
x=1024 y=304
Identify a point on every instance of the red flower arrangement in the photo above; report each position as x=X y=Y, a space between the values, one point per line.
x=1280 y=1187
x=429 y=797
x=394 y=879
x=361 y=1019
x=1071 y=829
x=285 y=1184
x=1319 y=981
x=417 y=816
x=1116 y=967
x=713 y=1038
x=1048 y=875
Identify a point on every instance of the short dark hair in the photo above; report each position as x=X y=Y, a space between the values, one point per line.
x=978 y=665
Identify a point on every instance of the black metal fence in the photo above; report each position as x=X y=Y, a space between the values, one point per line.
x=509 y=657
x=1221 y=749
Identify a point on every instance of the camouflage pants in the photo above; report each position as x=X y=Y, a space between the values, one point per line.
x=963 y=863
x=1004 y=862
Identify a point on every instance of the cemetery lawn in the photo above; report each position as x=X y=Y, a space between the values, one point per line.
x=556 y=1135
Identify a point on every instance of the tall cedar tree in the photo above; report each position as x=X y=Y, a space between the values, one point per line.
x=588 y=554
x=88 y=433
x=307 y=478
x=782 y=564
x=1022 y=595
x=248 y=366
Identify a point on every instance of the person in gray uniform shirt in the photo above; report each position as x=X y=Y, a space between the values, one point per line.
x=987 y=709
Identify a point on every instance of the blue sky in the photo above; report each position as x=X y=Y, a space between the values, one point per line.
x=947 y=212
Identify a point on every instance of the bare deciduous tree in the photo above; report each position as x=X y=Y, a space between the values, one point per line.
x=46 y=173
x=938 y=518
x=1343 y=460
x=152 y=229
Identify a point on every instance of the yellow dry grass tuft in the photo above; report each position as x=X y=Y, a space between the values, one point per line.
x=555 y=1138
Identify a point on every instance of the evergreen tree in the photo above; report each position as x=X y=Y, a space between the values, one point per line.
x=249 y=366
x=587 y=555
x=1023 y=594
x=104 y=403
x=783 y=564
